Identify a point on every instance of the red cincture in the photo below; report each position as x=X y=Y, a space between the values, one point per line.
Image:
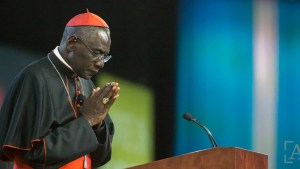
x=83 y=162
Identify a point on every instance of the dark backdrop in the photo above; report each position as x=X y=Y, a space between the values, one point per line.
x=143 y=44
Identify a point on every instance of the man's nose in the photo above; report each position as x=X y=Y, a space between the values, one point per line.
x=99 y=63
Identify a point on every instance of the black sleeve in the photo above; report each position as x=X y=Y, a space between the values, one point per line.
x=104 y=136
x=72 y=141
x=63 y=145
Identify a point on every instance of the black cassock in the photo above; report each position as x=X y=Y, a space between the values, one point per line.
x=37 y=118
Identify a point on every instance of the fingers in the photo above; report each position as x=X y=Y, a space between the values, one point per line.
x=95 y=107
x=110 y=91
x=113 y=99
x=96 y=89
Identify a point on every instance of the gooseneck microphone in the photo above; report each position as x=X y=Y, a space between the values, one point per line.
x=189 y=117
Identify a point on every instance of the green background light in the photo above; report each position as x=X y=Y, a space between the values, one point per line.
x=133 y=117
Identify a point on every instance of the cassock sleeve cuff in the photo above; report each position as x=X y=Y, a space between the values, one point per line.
x=101 y=133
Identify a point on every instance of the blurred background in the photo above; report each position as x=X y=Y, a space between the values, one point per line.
x=232 y=64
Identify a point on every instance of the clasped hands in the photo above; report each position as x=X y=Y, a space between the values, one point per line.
x=97 y=105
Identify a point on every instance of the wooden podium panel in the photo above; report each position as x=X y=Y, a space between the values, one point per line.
x=214 y=158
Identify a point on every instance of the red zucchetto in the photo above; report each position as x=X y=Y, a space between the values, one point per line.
x=87 y=19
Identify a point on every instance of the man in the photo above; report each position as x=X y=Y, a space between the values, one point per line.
x=53 y=116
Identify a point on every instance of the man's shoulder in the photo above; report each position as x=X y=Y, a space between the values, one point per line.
x=37 y=64
x=37 y=68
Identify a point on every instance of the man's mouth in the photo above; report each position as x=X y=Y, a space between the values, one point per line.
x=94 y=72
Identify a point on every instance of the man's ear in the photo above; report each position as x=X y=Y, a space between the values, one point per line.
x=71 y=43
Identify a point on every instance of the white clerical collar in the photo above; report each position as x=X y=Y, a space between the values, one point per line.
x=56 y=52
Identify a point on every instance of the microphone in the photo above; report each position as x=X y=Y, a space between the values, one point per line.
x=189 y=117
x=80 y=99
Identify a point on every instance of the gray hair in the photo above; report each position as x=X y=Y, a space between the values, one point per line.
x=82 y=32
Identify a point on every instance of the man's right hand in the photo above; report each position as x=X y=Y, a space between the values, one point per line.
x=95 y=107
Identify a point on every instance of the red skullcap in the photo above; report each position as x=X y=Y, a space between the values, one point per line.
x=87 y=19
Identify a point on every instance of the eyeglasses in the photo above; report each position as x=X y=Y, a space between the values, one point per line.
x=97 y=56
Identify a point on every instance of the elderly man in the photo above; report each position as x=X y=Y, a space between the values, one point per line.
x=53 y=116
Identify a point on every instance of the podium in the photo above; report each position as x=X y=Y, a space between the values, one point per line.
x=214 y=158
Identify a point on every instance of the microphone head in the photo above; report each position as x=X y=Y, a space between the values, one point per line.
x=188 y=116
x=80 y=99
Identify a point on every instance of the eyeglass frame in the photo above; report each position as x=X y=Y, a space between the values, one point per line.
x=102 y=57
